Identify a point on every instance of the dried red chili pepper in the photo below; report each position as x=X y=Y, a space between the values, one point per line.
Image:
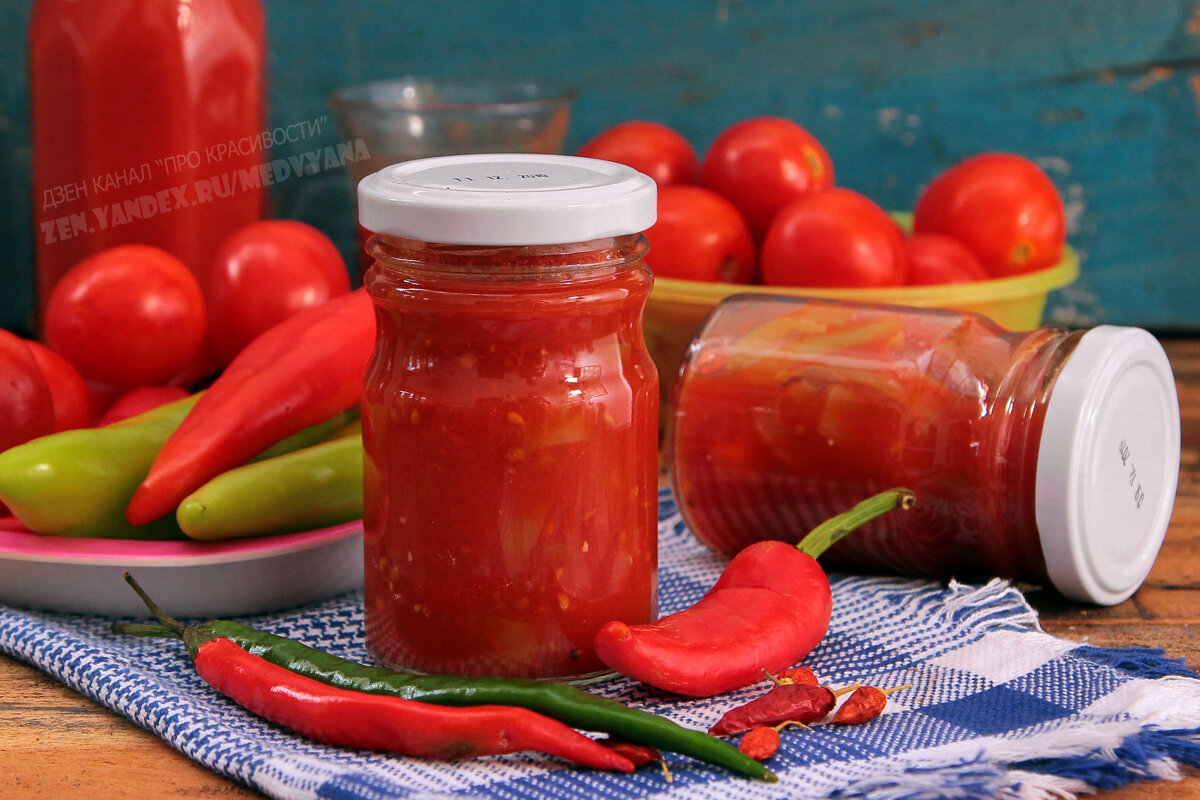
x=770 y=607
x=787 y=702
x=760 y=743
x=347 y=718
x=300 y=372
x=865 y=704
x=801 y=675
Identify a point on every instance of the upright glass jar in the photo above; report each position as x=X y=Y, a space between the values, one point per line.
x=1049 y=455
x=510 y=413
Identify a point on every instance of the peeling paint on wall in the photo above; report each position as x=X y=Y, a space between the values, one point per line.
x=1155 y=75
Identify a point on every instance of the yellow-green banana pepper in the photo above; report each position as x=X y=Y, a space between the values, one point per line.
x=302 y=490
x=78 y=482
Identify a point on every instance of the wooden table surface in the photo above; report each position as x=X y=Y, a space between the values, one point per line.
x=55 y=744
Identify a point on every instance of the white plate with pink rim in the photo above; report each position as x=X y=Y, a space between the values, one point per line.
x=189 y=579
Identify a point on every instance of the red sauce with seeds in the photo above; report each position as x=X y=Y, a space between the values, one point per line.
x=791 y=411
x=510 y=426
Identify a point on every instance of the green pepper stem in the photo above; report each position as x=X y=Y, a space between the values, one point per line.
x=193 y=636
x=175 y=626
x=141 y=629
x=822 y=537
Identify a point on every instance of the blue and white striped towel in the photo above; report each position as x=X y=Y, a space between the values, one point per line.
x=997 y=708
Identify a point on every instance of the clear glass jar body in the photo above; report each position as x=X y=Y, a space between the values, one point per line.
x=510 y=427
x=789 y=411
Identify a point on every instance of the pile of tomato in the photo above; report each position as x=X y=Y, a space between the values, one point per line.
x=132 y=327
x=762 y=206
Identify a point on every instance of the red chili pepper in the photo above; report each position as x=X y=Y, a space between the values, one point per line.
x=639 y=754
x=300 y=372
x=760 y=743
x=346 y=718
x=770 y=607
x=788 y=702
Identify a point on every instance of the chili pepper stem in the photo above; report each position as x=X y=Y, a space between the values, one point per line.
x=559 y=701
x=822 y=537
x=791 y=723
x=158 y=613
x=192 y=637
x=895 y=689
x=142 y=629
x=846 y=689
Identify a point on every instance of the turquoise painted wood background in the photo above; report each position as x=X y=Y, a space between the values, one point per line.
x=1104 y=94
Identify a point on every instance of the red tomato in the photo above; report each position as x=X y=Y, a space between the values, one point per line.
x=834 y=238
x=764 y=163
x=140 y=400
x=69 y=393
x=131 y=315
x=699 y=236
x=101 y=397
x=936 y=259
x=265 y=272
x=1002 y=207
x=649 y=147
x=26 y=408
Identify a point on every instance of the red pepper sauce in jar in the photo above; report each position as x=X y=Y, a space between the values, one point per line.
x=510 y=426
x=791 y=410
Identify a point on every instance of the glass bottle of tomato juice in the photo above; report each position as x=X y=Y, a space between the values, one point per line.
x=509 y=413
x=1045 y=456
x=147 y=120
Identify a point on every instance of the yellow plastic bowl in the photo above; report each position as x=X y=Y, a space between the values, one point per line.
x=677 y=307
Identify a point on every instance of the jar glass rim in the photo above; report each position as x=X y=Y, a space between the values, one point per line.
x=491 y=263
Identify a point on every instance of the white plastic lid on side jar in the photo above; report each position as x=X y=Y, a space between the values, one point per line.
x=1108 y=465
x=508 y=199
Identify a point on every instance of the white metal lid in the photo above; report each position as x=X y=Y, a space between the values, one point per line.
x=1108 y=465
x=507 y=199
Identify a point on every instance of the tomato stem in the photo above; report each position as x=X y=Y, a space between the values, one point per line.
x=822 y=537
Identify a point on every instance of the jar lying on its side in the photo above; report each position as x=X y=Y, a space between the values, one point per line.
x=1048 y=455
x=510 y=414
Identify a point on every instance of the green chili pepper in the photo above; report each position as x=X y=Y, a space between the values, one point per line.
x=78 y=482
x=566 y=703
x=302 y=490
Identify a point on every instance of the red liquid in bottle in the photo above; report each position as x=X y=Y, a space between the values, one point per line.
x=148 y=127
